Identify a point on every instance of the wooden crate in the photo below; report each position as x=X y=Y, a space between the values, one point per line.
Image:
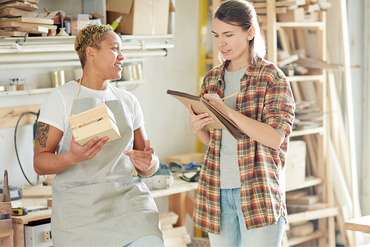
x=97 y=122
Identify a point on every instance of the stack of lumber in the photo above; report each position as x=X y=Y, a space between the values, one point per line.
x=17 y=19
x=173 y=236
x=6 y=229
x=308 y=115
x=292 y=10
x=302 y=201
x=291 y=54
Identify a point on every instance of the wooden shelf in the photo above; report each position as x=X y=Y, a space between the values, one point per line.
x=309 y=182
x=313 y=215
x=48 y=90
x=304 y=25
x=299 y=240
x=302 y=78
x=319 y=130
x=178 y=186
x=27 y=92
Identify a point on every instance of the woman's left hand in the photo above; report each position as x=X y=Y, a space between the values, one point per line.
x=141 y=159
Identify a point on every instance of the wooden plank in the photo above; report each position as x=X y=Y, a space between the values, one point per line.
x=299 y=240
x=312 y=215
x=25 y=25
x=308 y=199
x=309 y=182
x=289 y=60
x=5 y=208
x=6 y=187
x=2 y=196
x=278 y=10
x=361 y=224
x=271 y=32
x=19 y=5
x=13 y=34
x=29 y=1
x=296 y=194
x=298 y=208
x=283 y=40
x=349 y=107
x=35 y=29
x=37 y=192
x=6 y=238
x=27 y=19
x=5 y=225
x=16 y=12
x=289 y=3
x=10 y=116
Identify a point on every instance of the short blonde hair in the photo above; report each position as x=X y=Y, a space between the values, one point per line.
x=90 y=36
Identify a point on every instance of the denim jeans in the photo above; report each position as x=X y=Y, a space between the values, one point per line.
x=146 y=241
x=233 y=229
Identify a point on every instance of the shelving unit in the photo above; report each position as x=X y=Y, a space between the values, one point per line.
x=55 y=51
x=319 y=181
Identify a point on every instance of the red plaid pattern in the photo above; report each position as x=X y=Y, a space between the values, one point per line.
x=265 y=95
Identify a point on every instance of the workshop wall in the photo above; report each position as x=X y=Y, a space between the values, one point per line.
x=166 y=120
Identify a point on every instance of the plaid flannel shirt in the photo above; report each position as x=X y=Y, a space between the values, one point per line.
x=265 y=95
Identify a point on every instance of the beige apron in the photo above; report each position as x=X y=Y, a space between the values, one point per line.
x=98 y=202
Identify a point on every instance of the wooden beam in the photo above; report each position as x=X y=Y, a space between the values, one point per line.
x=10 y=116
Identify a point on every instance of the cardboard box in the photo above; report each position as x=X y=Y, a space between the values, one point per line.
x=140 y=17
x=97 y=122
x=295 y=168
x=293 y=15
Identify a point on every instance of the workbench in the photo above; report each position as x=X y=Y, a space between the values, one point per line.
x=179 y=203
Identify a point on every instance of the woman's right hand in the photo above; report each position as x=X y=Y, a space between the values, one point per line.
x=87 y=151
x=197 y=122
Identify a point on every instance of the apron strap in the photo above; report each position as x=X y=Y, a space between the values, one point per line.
x=109 y=85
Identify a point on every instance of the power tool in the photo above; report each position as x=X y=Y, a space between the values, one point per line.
x=21 y=211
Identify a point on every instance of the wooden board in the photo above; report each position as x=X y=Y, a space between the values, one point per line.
x=309 y=199
x=10 y=116
x=5 y=208
x=5 y=225
x=361 y=224
x=28 y=19
x=16 y=24
x=13 y=34
x=29 y=1
x=19 y=5
x=16 y=12
x=37 y=192
x=35 y=29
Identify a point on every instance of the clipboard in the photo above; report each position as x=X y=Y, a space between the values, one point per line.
x=200 y=105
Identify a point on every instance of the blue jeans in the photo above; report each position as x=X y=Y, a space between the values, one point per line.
x=147 y=241
x=233 y=229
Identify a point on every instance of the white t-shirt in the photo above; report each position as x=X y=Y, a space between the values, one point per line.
x=57 y=107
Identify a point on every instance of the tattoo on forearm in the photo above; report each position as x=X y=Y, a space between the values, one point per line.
x=42 y=134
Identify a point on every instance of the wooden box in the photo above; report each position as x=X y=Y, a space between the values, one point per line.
x=139 y=17
x=97 y=122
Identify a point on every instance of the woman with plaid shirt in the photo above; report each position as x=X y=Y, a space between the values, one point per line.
x=240 y=198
